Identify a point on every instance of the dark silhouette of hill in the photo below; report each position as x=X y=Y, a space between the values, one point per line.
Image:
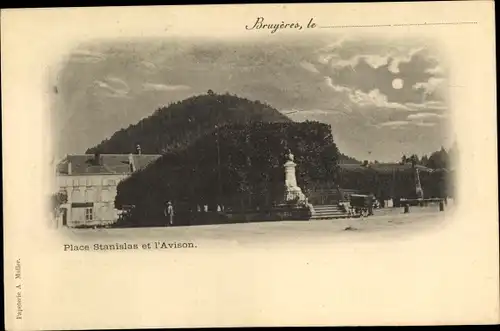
x=181 y=123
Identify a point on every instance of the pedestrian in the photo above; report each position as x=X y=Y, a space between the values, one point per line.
x=169 y=213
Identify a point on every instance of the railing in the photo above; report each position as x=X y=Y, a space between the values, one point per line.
x=328 y=196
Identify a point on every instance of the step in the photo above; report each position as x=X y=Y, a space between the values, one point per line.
x=329 y=212
x=323 y=209
x=323 y=212
x=327 y=208
x=329 y=217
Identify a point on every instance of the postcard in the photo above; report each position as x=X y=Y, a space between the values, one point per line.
x=250 y=165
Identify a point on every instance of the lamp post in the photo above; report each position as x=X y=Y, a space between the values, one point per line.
x=218 y=162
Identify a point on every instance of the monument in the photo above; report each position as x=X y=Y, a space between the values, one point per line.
x=292 y=191
x=293 y=204
x=418 y=187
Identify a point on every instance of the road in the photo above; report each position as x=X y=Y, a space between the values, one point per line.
x=386 y=223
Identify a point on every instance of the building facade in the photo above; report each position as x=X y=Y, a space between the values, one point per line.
x=90 y=185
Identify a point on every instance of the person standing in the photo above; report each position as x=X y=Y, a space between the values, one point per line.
x=169 y=213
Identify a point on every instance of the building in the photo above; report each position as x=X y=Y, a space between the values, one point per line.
x=90 y=184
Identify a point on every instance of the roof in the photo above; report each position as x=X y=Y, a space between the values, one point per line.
x=87 y=164
x=384 y=167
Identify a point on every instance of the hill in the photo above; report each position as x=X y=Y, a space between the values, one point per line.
x=181 y=123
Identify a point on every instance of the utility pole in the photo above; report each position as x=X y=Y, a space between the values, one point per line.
x=218 y=163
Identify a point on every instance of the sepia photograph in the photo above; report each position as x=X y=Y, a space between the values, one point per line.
x=336 y=132
x=250 y=165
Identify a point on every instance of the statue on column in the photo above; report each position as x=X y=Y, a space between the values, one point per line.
x=293 y=197
x=292 y=191
x=418 y=186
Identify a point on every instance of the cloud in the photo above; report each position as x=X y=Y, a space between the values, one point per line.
x=425 y=124
x=374 y=98
x=164 y=87
x=431 y=86
x=367 y=66
x=427 y=105
x=113 y=87
x=404 y=124
x=117 y=81
x=396 y=60
x=148 y=65
x=421 y=116
x=309 y=67
x=373 y=60
x=393 y=124
x=321 y=115
x=438 y=70
x=336 y=88
x=376 y=61
x=393 y=57
x=86 y=56
x=419 y=119
x=313 y=112
x=335 y=46
x=328 y=52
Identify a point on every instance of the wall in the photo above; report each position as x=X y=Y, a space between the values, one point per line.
x=97 y=192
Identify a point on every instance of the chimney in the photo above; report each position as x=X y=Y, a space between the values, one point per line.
x=97 y=158
x=69 y=167
x=131 y=162
x=138 y=149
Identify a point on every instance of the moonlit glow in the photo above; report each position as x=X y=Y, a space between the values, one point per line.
x=397 y=83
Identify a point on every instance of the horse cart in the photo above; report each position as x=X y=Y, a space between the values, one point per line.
x=362 y=204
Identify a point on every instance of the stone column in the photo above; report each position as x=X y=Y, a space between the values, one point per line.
x=292 y=190
x=290 y=179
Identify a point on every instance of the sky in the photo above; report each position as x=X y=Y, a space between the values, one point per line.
x=383 y=98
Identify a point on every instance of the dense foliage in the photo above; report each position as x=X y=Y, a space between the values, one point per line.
x=179 y=124
x=239 y=166
x=398 y=183
x=57 y=199
x=441 y=159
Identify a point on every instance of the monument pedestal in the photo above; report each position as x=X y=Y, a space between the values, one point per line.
x=293 y=195
x=292 y=191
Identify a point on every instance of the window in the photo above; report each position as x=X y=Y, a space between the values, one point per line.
x=77 y=196
x=111 y=182
x=105 y=195
x=75 y=182
x=89 y=181
x=90 y=195
x=89 y=214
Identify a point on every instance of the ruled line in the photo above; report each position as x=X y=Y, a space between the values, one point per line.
x=391 y=25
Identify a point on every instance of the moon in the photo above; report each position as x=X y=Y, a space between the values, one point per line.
x=397 y=83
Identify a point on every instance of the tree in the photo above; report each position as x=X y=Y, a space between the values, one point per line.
x=248 y=175
x=413 y=160
x=58 y=199
x=438 y=160
x=424 y=160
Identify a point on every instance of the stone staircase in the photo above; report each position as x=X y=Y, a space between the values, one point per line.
x=322 y=212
